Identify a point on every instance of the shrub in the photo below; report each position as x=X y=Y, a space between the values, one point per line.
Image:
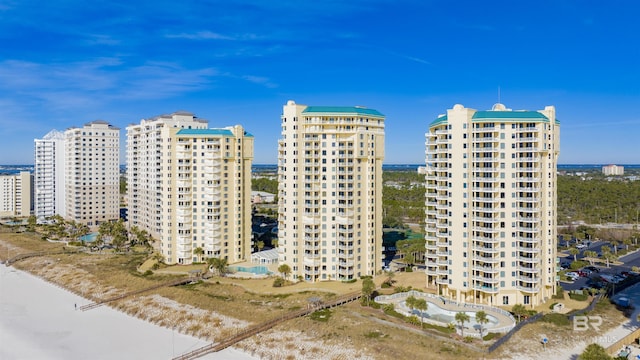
x=468 y=339
x=491 y=336
x=578 y=297
x=321 y=315
x=278 y=282
x=147 y=273
x=413 y=320
x=385 y=285
x=556 y=319
x=552 y=305
x=349 y=281
x=578 y=264
x=559 y=293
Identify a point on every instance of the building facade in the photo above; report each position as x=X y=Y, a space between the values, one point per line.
x=491 y=199
x=190 y=187
x=49 y=172
x=16 y=194
x=330 y=191
x=92 y=173
x=611 y=170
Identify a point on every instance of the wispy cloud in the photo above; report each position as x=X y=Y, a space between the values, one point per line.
x=209 y=35
x=81 y=85
x=260 y=80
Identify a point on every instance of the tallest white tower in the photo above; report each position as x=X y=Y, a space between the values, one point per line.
x=330 y=191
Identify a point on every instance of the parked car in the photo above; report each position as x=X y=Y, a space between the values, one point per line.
x=581 y=246
x=573 y=275
x=592 y=268
x=585 y=271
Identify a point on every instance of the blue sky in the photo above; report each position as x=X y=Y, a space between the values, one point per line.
x=65 y=63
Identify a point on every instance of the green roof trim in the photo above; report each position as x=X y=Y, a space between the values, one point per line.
x=217 y=132
x=439 y=121
x=342 y=110
x=509 y=115
x=248 y=134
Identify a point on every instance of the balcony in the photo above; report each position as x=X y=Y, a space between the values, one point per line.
x=487 y=289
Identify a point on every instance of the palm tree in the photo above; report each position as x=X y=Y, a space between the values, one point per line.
x=590 y=255
x=285 y=270
x=422 y=306
x=199 y=252
x=368 y=287
x=574 y=252
x=518 y=310
x=411 y=302
x=219 y=264
x=481 y=319
x=462 y=317
x=260 y=245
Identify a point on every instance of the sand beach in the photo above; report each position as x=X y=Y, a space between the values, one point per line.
x=39 y=320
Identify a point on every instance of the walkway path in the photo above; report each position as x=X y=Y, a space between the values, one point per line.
x=247 y=333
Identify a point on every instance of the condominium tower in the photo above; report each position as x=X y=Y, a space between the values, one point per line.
x=190 y=187
x=330 y=191
x=15 y=194
x=49 y=172
x=491 y=205
x=92 y=169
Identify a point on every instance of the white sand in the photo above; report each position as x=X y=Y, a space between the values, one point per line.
x=38 y=321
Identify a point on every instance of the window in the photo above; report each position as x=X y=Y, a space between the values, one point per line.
x=505 y=300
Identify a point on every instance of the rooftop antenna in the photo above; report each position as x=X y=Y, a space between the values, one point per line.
x=498 y=94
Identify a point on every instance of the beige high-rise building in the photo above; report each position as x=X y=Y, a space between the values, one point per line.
x=491 y=199
x=609 y=170
x=330 y=191
x=16 y=194
x=92 y=173
x=190 y=187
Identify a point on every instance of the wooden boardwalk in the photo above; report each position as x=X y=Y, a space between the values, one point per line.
x=177 y=282
x=251 y=331
x=36 y=254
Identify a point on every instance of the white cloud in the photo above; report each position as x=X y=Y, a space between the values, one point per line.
x=209 y=35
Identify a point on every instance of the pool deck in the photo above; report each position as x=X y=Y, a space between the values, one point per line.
x=505 y=322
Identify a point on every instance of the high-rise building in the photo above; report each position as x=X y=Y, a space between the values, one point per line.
x=609 y=170
x=190 y=187
x=49 y=172
x=16 y=194
x=92 y=173
x=491 y=199
x=330 y=191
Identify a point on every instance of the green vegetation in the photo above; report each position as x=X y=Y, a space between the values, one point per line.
x=264 y=184
x=594 y=352
x=556 y=319
x=597 y=200
x=462 y=317
x=402 y=198
x=321 y=315
x=578 y=297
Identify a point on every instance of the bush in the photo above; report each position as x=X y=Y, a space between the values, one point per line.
x=321 y=315
x=559 y=293
x=491 y=336
x=147 y=273
x=552 y=305
x=385 y=285
x=468 y=339
x=278 y=282
x=351 y=281
x=556 y=319
x=578 y=297
x=413 y=320
x=578 y=264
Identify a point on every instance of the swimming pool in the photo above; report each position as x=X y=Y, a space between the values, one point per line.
x=89 y=237
x=258 y=270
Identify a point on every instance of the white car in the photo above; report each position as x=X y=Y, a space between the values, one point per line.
x=573 y=275
x=581 y=246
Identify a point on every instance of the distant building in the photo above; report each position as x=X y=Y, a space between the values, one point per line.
x=491 y=199
x=610 y=170
x=422 y=170
x=190 y=187
x=330 y=191
x=16 y=194
x=260 y=197
x=49 y=175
